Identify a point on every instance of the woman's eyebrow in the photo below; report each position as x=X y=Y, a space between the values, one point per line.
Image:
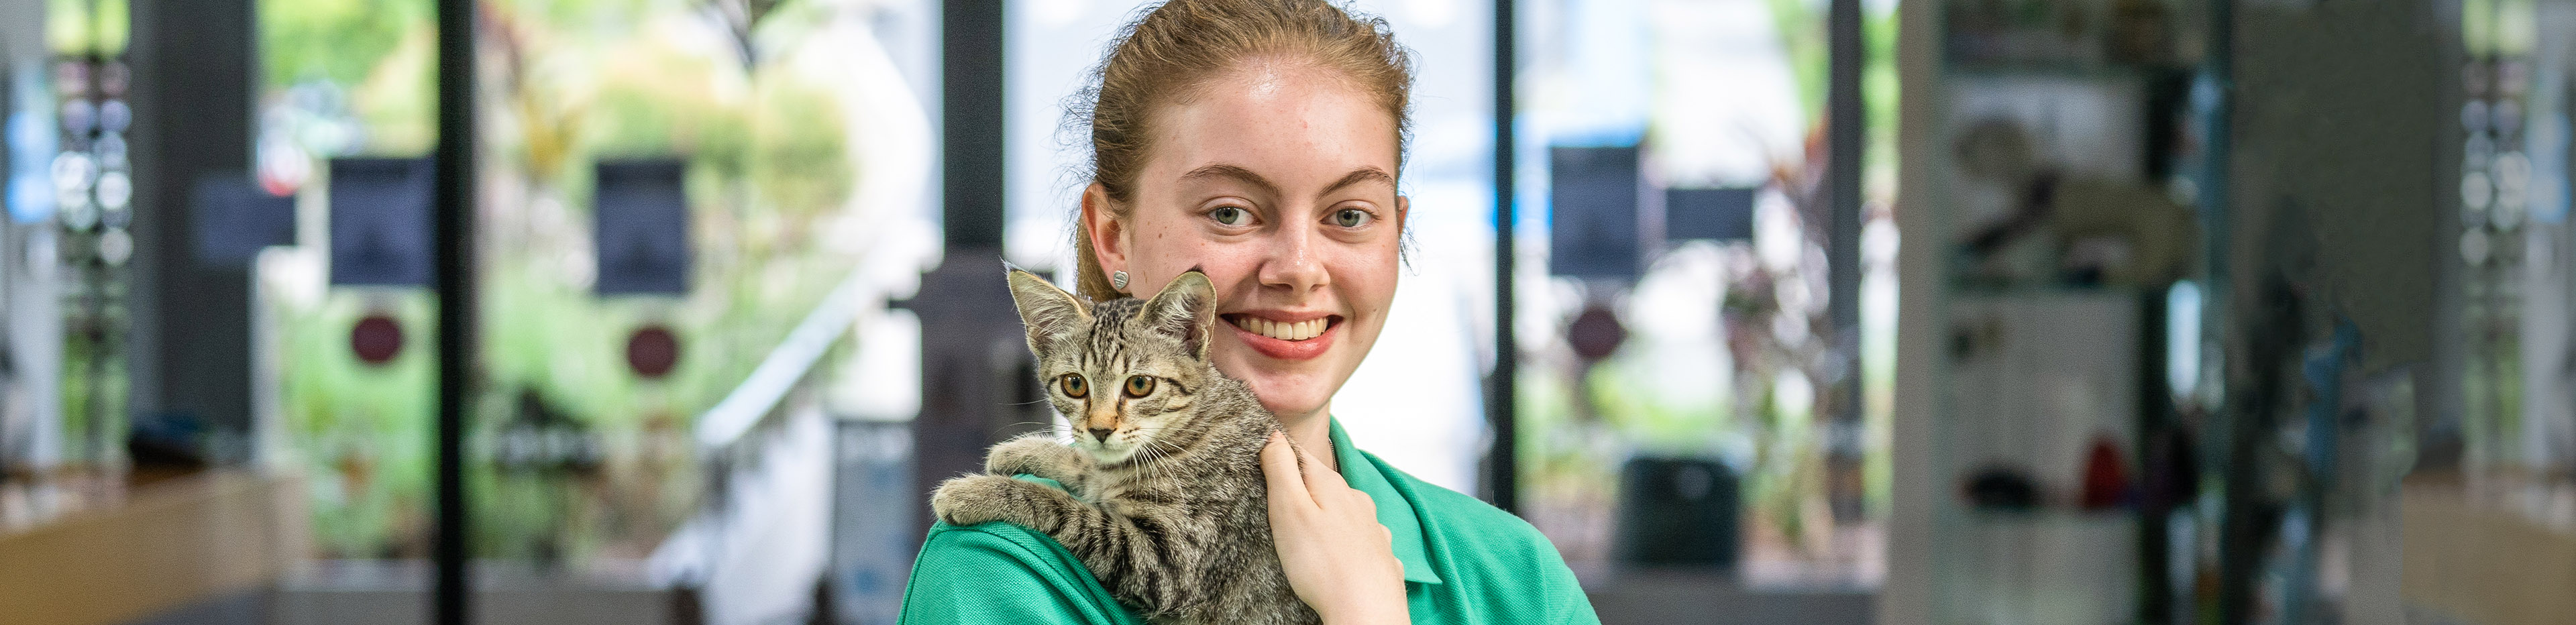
x=1246 y=176
x=1363 y=174
x=1237 y=172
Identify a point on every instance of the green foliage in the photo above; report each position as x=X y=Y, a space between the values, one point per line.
x=83 y=27
x=93 y=384
x=86 y=26
x=1625 y=394
x=340 y=41
x=398 y=100
x=799 y=162
x=362 y=432
x=767 y=155
x=586 y=17
x=1880 y=85
x=655 y=101
x=1801 y=25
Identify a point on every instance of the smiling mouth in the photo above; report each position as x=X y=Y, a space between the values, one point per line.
x=1285 y=331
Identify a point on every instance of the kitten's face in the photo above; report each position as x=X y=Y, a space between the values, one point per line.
x=1120 y=372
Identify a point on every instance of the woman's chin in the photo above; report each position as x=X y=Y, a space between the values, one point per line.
x=1286 y=414
x=1292 y=391
x=1289 y=396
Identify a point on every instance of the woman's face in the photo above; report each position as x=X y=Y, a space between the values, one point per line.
x=1278 y=182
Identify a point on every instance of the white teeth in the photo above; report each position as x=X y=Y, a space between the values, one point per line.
x=1297 y=331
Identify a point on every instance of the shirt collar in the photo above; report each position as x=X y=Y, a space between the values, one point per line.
x=1394 y=508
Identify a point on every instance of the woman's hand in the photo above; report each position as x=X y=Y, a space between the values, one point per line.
x=1339 y=559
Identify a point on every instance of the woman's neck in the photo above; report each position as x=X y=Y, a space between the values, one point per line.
x=1313 y=432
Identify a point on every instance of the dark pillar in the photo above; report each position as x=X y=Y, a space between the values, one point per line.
x=452 y=225
x=189 y=353
x=1845 y=149
x=1502 y=386
x=975 y=366
x=970 y=119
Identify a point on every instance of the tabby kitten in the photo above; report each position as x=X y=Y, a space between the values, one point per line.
x=1167 y=506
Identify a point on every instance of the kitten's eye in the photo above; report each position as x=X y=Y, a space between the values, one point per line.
x=1352 y=218
x=1074 y=386
x=1231 y=215
x=1139 y=386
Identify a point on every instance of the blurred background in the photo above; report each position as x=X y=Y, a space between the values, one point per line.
x=1991 y=312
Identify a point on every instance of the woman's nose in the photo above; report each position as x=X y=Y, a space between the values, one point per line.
x=1291 y=261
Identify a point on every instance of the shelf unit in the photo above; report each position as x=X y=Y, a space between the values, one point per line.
x=2025 y=345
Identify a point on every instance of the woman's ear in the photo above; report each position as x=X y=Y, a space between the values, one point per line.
x=1108 y=233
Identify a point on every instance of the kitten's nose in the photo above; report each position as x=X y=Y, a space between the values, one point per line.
x=1102 y=434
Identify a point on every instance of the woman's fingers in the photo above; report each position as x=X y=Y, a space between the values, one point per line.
x=1322 y=529
x=1279 y=468
x=1321 y=479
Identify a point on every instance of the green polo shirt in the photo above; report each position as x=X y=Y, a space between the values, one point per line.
x=1464 y=562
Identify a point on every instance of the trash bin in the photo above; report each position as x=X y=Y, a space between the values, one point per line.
x=1677 y=512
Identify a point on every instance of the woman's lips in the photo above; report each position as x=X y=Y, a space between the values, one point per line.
x=1270 y=339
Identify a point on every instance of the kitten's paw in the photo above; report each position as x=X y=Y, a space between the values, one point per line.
x=1038 y=455
x=979 y=498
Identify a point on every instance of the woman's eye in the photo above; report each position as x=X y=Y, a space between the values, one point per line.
x=1351 y=218
x=1074 y=386
x=1139 y=386
x=1231 y=215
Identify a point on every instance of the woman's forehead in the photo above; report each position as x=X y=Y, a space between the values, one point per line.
x=1296 y=129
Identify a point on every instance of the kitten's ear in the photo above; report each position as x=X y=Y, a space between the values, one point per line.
x=1047 y=311
x=1186 y=309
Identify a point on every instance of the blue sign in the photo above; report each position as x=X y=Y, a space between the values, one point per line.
x=30 y=137
x=235 y=219
x=380 y=221
x=1593 y=195
x=1720 y=214
x=641 y=227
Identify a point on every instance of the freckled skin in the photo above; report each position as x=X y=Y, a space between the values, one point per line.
x=1301 y=131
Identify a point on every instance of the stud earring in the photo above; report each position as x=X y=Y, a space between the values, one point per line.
x=1118 y=280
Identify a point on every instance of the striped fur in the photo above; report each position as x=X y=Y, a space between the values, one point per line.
x=1179 y=528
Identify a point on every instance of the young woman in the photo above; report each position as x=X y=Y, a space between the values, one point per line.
x=1259 y=141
